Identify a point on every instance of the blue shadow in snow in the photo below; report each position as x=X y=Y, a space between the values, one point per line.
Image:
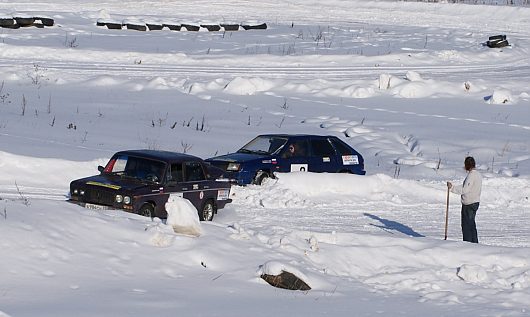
x=393 y=226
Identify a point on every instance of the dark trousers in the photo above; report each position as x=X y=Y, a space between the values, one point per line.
x=469 y=228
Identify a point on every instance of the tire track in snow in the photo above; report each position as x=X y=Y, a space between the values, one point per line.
x=515 y=69
x=14 y=192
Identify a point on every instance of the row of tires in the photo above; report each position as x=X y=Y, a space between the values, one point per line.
x=18 y=22
x=181 y=27
x=497 y=41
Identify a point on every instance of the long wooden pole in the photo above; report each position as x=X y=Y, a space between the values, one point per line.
x=446 y=213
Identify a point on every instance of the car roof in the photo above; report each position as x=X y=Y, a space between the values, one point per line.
x=298 y=135
x=167 y=156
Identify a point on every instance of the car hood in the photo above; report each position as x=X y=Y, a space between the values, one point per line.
x=110 y=181
x=238 y=157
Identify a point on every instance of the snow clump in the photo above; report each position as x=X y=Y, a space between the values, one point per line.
x=183 y=216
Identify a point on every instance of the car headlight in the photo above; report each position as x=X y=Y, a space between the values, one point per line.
x=119 y=199
x=81 y=192
x=75 y=191
x=127 y=200
x=233 y=167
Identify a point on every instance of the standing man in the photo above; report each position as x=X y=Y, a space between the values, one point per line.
x=470 y=197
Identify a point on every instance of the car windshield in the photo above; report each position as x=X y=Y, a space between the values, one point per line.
x=264 y=145
x=136 y=167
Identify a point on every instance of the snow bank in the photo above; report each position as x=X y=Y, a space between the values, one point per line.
x=29 y=171
x=363 y=187
x=248 y=86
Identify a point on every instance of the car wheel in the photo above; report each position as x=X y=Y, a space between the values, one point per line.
x=207 y=212
x=147 y=210
x=260 y=177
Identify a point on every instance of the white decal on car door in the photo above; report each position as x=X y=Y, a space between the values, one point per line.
x=298 y=167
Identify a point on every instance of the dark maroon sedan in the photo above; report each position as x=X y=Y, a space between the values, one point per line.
x=140 y=181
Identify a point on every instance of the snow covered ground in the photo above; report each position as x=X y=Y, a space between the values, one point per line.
x=409 y=85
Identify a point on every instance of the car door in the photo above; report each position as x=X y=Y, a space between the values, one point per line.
x=294 y=156
x=195 y=186
x=175 y=180
x=323 y=156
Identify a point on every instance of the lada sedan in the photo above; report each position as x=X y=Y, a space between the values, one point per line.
x=140 y=181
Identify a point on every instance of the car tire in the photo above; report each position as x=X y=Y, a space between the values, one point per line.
x=260 y=177
x=207 y=212
x=147 y=210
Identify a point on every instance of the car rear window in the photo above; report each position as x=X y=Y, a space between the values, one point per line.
x=342 y=148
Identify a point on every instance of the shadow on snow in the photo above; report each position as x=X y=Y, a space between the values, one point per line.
x=389 y=225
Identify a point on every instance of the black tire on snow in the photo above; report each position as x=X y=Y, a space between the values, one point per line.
x=147 y=210
x=260 y=177
x=45 y=21
x=7 y=22
x=24 y=21
x=137 y=27
x=114 y=26
x=172 y=27
x=154 y=27
x=190 y=27
x=211 y=27
x=230 y=27
x=207 y=212
x=262 y=26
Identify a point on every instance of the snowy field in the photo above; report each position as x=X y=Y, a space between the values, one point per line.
x=409 y=85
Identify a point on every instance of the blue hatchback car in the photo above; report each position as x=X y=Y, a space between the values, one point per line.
x=270 y=153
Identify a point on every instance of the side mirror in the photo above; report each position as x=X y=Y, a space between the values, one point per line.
x=101 y=169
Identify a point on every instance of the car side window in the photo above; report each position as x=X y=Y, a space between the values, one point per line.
x=193 y=172
x=295 y=149
x=342 y=148
x=322 y=148
x=175 y=174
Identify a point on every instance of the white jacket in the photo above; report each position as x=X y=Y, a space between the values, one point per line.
x=471 y=188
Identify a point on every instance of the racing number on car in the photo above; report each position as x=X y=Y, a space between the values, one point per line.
x=298 y=167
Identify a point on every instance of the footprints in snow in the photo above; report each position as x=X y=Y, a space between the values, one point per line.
x=382 y=143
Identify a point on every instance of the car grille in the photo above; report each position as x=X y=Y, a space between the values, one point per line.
x=98 y=196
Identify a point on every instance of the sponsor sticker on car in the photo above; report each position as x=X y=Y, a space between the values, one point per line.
x=350 y=160
x=222 y=194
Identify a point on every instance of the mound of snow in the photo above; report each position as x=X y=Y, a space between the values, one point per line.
x=472 y=273
x=276 y=268
x=248 y=86
x=103 y=81
x=183 y=216
x=413 y=76
x=387 y=81
x=359 y=187
x=414 y=89
x=359 y=92
x=103 y=14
